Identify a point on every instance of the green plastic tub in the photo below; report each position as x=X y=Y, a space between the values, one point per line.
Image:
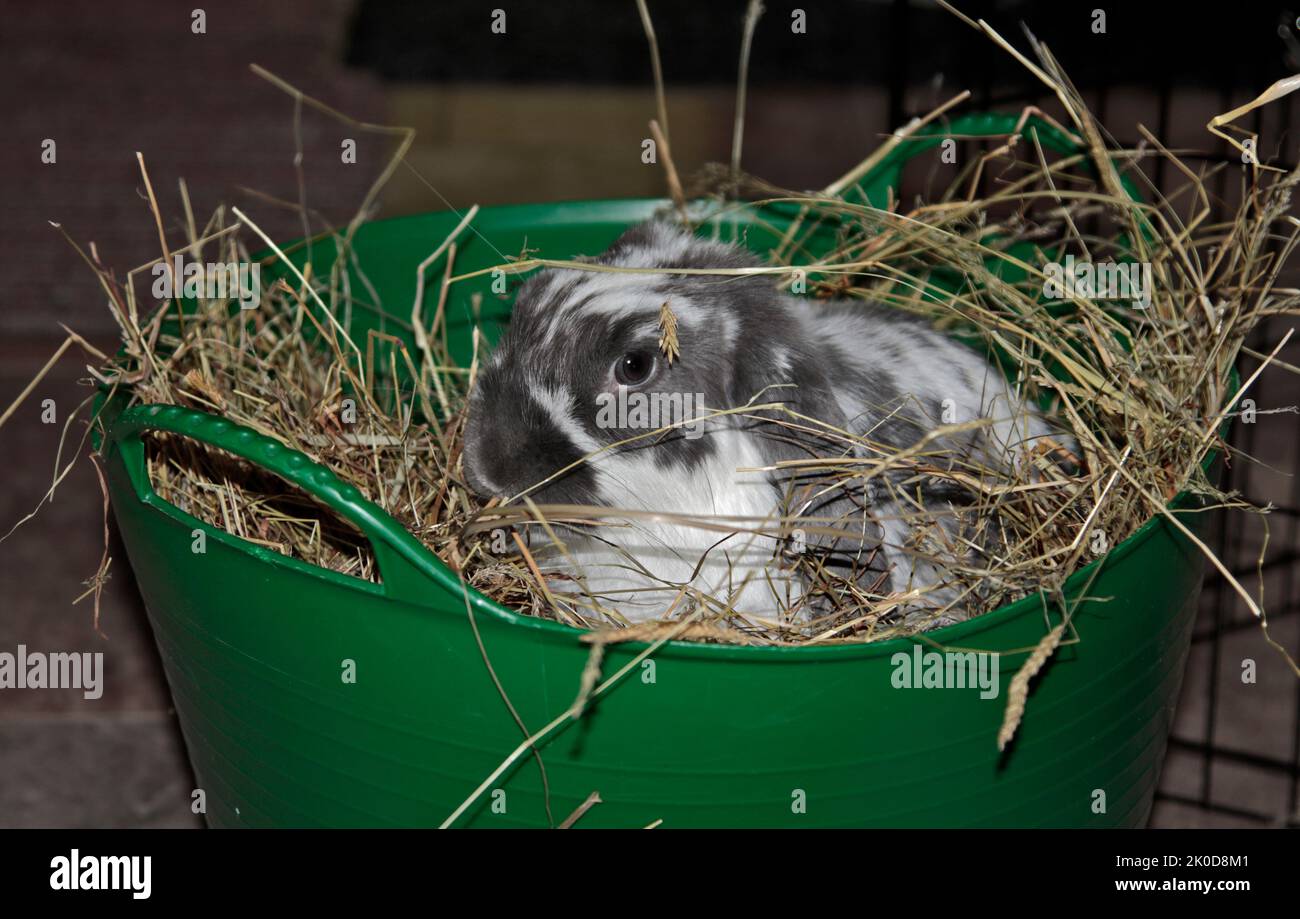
x=254 y=645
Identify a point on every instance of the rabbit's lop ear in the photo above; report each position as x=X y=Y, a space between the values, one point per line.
x=791 y=376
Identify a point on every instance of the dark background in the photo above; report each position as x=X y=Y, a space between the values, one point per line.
x=554 y=109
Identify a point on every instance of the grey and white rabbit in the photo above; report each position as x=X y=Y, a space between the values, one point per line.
x=875 y=373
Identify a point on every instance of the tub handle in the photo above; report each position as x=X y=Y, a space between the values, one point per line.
x=408 y=571
x=887 y=174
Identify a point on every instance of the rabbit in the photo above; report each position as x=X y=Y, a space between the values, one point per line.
x=831 y=380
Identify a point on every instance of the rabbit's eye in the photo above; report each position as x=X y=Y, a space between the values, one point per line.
x=634 y=368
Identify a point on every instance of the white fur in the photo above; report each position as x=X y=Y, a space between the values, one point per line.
x=741 y=569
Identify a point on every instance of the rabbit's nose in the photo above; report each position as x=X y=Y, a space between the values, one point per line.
x=501 y=463
x=477 y=483
x=484 y=463
x=547 y=469
x=515 y=444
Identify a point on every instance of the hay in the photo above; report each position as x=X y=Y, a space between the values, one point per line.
x=1143 y=392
